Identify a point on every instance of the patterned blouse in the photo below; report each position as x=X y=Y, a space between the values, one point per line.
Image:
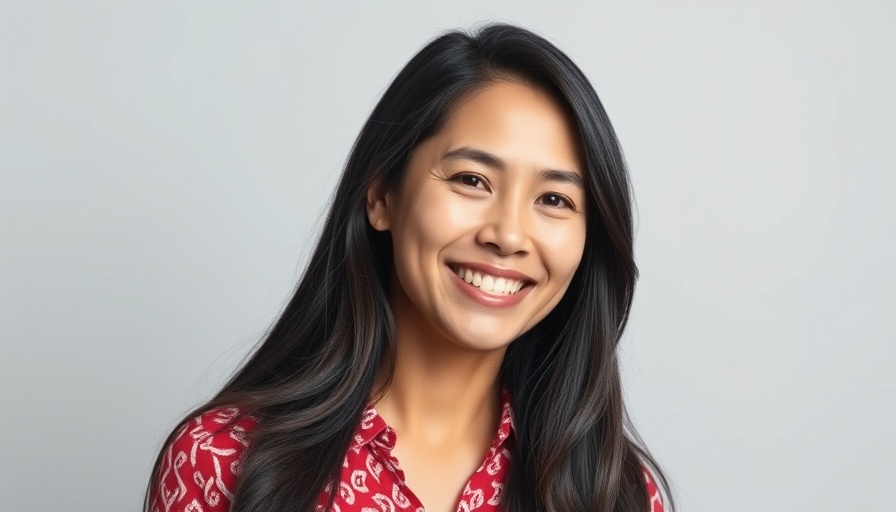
x=200 y=467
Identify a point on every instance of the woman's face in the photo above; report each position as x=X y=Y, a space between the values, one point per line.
x=488 y=226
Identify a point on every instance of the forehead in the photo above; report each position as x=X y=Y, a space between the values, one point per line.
x=523 y=125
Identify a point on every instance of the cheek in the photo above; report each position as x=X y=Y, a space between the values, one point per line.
x=421 y=229
x=567 y=246
x=432 y=220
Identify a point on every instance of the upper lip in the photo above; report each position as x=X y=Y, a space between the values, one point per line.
x=493 y=270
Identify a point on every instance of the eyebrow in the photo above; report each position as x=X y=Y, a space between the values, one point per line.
x=493 y=161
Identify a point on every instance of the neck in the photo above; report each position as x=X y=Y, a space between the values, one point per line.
x=427 y=389
x=438 y=389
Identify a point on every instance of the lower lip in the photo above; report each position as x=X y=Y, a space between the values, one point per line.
x=487 y=299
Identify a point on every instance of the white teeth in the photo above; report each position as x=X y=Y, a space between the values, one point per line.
x=488 y=283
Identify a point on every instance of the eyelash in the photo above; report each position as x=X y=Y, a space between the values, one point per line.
x=460 y=178
x=561 y=198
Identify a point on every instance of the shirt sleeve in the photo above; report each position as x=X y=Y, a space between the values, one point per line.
x=200 y=465
x=653 y=491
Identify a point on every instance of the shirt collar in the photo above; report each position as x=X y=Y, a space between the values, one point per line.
x=373 y=429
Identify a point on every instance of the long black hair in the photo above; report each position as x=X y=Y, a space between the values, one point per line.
x=310 y=379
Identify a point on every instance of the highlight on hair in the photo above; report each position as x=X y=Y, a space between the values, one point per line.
x=311 y=377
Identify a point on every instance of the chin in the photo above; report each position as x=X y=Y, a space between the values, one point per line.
x=482 y=341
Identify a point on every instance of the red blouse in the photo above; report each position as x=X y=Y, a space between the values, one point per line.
x=200 y=467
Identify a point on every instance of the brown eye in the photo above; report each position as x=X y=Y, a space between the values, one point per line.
x=556 y=201
x=470 y=180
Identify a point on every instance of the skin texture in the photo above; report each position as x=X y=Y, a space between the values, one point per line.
x=515 y=213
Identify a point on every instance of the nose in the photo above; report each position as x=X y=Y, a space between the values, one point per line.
x=506 y=228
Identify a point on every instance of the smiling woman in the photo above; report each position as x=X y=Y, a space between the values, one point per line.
x=452 y=343
x=482 y=197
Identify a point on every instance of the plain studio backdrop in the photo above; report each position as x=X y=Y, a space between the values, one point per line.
x=165 y=166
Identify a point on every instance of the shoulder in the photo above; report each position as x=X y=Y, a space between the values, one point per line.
x=653 y=491
x=200 y=464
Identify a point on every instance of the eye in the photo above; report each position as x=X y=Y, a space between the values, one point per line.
x=557 y=201
x=470 y=180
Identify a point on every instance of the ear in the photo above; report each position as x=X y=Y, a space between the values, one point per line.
x=378 y=200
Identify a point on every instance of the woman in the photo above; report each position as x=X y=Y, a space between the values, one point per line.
x=452 y=343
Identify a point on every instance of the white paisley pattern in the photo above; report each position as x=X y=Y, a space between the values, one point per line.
x=377 y=483
x=200 y=467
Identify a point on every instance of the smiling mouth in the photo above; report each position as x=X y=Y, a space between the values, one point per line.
x=488 y=283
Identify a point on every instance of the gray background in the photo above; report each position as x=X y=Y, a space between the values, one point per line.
x=165 y=165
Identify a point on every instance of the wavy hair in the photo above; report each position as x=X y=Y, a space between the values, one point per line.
x=312 y=375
